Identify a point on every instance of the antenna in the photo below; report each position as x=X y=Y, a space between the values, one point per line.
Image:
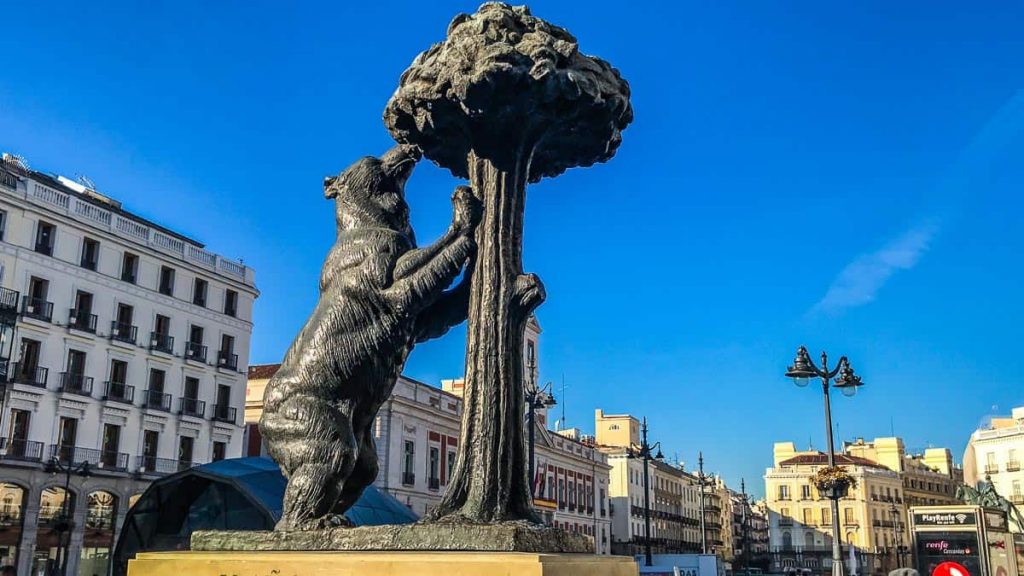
x=563 y=399
x=892 y=426
x=85 y=181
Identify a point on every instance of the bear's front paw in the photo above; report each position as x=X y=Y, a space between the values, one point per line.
x=468 y=209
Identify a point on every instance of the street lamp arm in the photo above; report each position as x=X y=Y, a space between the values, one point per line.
x=839 y=366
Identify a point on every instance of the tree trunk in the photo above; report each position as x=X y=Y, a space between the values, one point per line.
x=489 y=481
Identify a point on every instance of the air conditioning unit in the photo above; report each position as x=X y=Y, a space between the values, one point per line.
x=31 y=309
x=223 y=360
x=73 y=320
x=190 y=352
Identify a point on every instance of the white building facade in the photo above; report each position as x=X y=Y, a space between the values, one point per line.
x=124 y=353
x=994 y=452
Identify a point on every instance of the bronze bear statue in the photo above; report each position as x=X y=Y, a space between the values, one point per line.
x=379 y=296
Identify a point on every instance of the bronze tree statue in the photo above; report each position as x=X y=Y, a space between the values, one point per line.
x=379 y=295
x=506 y=99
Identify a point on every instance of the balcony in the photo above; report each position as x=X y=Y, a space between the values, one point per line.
x=195 y=351
x=78 y=384
x=991 y=468
x=8 y=301
x=37 y=308
x=161 y=466
x=408 y=479
x=434 y=483
x=21 y=449
x=118 y=392
x=227 y=360
x=191 y=407
x=156 y=400
x=161 y=342
x=82 y=321
x=222 y=413
x=103 y=459
x=31 y=375
x=123 y=332
x=1013 y=466
x=1017 y=498
x=110 y=460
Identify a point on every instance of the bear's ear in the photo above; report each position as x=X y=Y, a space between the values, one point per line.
x=330 y=190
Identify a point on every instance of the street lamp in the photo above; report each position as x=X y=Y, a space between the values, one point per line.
x=536 y=398
x=644 y=451
x=63 y=524
x=898 y=533
x=743 y=527
x=802 y=370
x=700 y=484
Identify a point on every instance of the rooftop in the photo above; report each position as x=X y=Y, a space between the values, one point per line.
x=80 y=201
x=821 y=459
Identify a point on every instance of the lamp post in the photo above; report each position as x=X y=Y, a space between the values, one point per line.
x=897 y=530
x=535 y=398
x=700 y=485
x=64 y=524
x=644 y=451
x=802 y=370
x=743 y=527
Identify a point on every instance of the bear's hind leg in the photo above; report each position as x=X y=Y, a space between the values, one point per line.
x=318 y=465
x=363 y=474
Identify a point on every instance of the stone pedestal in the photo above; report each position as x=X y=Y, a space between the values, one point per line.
x=436 y=537
x=195 y=563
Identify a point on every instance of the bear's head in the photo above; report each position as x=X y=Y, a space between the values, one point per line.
x=371 y=192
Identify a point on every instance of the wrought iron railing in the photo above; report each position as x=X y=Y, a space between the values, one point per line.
x=72 y=383
x=37 y=308
x=123 y=332
x=161 y=342
x=82 y=320
x=118 y=392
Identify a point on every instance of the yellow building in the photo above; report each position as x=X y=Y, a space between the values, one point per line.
x=929 y=479
x=800 y=519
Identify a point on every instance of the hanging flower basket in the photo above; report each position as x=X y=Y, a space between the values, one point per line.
x=833 y=482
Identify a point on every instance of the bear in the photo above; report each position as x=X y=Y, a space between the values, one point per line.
x=379 y=296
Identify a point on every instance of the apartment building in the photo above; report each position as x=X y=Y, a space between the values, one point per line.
x=929 y=478
x=994 y=454
x=872 y=515
x=673 y=495
x=123 y=350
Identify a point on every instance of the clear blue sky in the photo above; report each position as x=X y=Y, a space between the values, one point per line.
x=847 y=177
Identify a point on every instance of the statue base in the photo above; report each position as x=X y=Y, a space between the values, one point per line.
x=378 y=564
x=496 y=537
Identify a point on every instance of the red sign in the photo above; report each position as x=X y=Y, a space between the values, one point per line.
x=950 y=569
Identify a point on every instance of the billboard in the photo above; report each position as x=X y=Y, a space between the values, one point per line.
x=935 y=548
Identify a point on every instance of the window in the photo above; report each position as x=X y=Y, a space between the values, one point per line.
x=166 y=286
x=163 y=325
x=67 y=433
x=90 y=254
x=3 y=223
x=185 y=445
x=199 y=289
x=451 y=464
x=783 y=492
x=227 y=344
x=150 y=441
x=826 y=517
x=111 y=444
x=45 y=234
x=219 y=449
x=408 y=463
x=848 y=516
x=808 y=517
x=434 y=468
x=805 y=492
x=129 y=267
x=191 y=388
x=230 y=302
x=156 y=380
